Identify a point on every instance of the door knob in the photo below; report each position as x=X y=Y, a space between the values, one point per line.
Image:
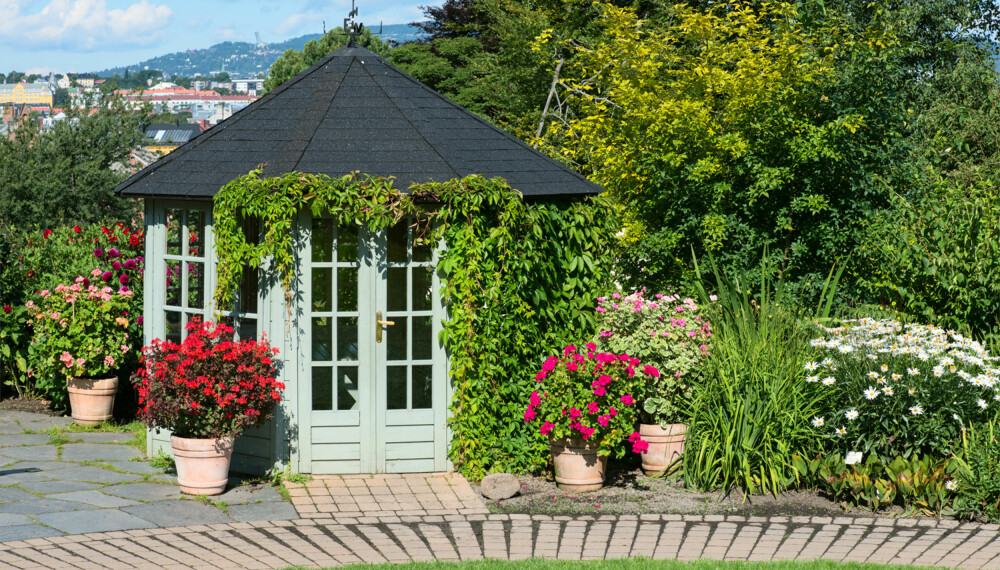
x=379 y=323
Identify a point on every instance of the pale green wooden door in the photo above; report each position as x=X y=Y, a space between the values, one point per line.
x=373 y=388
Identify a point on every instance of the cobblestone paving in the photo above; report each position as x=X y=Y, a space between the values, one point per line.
x=344 y=540
x=385 y=494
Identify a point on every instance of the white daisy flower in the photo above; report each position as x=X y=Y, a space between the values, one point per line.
x=885 y=368
x=827 y=361
x=828 y=381
x=938 y=372
x=812 y=378
x=982 y=403
x=845 y=348
x=810 y=366
x=912 y=391
x=871 y=393
x=851 y=414
x=912 y=371
x=841 y=431
x=917 y=410
x=896 y=377
x=818 y=421
x=950 y=485
x=873 y=375
x=887 y=390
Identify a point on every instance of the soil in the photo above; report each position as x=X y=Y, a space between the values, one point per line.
x=628 y=491
x=37 y=406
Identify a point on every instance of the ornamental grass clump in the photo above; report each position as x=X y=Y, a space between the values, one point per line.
x=893 y=389
x=79 y=330
x=590 y=395
x=666 y=332
x=209 y=386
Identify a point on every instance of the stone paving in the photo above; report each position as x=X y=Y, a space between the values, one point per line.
x=388 y=518
x=73 y=483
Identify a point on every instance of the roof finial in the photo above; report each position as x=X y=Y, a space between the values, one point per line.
x=351 y=27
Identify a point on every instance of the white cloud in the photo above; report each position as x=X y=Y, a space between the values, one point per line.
x=230 y=35
x=84 y=25
x=296 y=22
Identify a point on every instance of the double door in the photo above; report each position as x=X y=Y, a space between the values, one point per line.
x=372 y=385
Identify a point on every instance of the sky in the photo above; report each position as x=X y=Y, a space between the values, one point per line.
x=64 y=36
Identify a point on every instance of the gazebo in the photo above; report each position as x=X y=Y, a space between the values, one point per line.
x=366 y=377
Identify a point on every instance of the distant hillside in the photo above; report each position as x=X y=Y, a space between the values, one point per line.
x=240 y=58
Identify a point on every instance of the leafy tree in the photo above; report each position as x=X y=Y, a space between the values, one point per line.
x=292 y=62
x=14 y=77
x=444 y=65
x=61 y=97
x=67 y=174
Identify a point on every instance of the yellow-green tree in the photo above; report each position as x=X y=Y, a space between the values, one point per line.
x=719 y=130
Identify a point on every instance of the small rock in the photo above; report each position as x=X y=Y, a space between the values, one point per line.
x=499 y=486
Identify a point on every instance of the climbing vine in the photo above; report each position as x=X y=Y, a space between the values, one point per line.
x=518 y=278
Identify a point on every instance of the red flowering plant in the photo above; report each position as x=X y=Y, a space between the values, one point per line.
x=208 y=386
x=590 y=395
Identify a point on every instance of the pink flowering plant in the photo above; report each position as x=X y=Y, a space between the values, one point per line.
x=666 y=332
x=78 y=330
x=591 y=395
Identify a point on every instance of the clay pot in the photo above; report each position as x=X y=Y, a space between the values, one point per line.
x=665 y=446
x=578 y=466
x=91 y=400
x=202 y=464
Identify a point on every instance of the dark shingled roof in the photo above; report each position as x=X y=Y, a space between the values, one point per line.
x=354 y=111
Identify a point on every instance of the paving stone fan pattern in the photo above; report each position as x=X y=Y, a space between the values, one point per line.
x=416 y=494
x=329 y=542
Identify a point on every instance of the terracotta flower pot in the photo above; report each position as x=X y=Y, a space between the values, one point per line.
x=202 y=464
x=91 y=400
x=665 y=446
x=578 y=466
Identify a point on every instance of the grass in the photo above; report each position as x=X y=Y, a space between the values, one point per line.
x=626 y=564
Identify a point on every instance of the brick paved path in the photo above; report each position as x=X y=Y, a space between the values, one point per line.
x=329 y=542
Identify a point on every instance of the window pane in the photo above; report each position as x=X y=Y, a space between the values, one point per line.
x=322 y=388
x=322 y=240
x=196 y=233
x=396 y=348
x=422 y=386
x=247 y=329
x=248 y=290
x=322 y=339
x=422 y=283
x=395 y=388
x=423 y=338
x=196 y=285
x=396 y=289
x=347 y=244
x=173 y=332
x=396 y=237
x=173 y=271
x=174 y=221
x=347 y=388
x=347 y=289
x=322 y=290
x=422 y=247
x=347 y=338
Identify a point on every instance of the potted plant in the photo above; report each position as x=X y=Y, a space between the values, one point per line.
x=586 y=406
x=667 y=333
x=80 y=334
x=207 y=390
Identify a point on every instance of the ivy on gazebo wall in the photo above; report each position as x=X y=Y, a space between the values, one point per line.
x=519 y=283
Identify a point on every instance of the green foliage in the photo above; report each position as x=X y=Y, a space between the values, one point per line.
x=444 y=66
x=518 y=282
x=924 y=484
x=978 y=477
x=292 y=62
x=66 y=175
x=15 y=336
x=664 y=332
x=750 y=413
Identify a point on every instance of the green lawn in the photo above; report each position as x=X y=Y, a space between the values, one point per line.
x=624 y=564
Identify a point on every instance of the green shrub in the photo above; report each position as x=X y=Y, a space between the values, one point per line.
x=979 y=478
x=899 y=390
x=750 y=414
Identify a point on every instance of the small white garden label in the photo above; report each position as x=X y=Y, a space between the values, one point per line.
x=852 y=457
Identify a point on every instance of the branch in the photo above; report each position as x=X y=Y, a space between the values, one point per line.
x=548 y=100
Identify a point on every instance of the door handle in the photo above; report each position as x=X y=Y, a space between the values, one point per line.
x=379 y=323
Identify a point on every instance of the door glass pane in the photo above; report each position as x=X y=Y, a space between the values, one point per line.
x=347 y=338
x=196 y=233
x=396 y=347
x=422 y=386
x=173 y=283
x=396 y=289
x=196 y=285
x=421 y=245
x=422 y=280
x=422 y=338
x=347 y=388
x=347 y=289
x=347 y=244
x=322 y=339
x=173 y=326
x=248 y=290
x=396 y=237
x=174 y=221
x=395 y=387
x=247 y=329
x=322 y=388
x=322 y=240
x=322 y=290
